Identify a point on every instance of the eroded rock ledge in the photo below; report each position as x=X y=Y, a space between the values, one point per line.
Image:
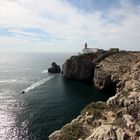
x=119 y=117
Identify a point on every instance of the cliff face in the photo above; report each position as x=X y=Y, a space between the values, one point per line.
x=81 y=67
x=112 y=72
x=119 y=117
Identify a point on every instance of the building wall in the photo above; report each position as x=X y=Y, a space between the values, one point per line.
x=89 y=50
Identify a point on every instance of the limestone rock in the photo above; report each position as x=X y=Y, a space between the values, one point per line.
x=102 y=80
x=81 y=67
x=108 y=132
x=119 y=117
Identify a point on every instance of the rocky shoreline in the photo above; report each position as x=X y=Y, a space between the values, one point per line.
x=117 y=73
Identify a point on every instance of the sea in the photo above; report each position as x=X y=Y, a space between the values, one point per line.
x=49 y=100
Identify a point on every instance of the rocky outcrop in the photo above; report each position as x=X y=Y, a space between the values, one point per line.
x=81 y=67
x=54 y=69
x=114 y=70
x=119 y=117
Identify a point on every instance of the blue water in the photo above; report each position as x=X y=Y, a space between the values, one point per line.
x=49 y=102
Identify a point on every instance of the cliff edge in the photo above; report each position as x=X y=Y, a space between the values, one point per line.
x=81 y=67
x=119 y=117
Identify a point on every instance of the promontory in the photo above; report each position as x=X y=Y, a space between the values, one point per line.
x=118 y=74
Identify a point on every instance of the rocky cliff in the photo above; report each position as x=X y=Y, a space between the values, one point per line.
x=81 y=67
x=119 y=117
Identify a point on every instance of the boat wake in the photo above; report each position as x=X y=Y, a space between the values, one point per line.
x=37 y=84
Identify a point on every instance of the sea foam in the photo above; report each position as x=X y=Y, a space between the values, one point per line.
x=37 y=84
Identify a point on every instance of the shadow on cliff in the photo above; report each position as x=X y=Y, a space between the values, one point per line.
x=111 y=89
x=82 y=92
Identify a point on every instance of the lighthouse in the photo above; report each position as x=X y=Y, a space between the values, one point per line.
x=86 y=45
x=90 y=50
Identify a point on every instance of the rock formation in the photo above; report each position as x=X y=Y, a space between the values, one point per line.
x=54 y=69
x=81 y=67
x=119 y=117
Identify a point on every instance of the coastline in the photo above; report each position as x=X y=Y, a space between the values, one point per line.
x=118 y=117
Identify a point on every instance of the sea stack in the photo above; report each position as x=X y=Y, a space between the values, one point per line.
x=54 y=69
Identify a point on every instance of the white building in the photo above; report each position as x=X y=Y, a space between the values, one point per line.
x=89 y=50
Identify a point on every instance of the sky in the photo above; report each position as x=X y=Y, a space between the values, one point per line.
x=65 y=25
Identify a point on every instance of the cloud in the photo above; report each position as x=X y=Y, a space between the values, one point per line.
x=23 y=33
x=63 y=26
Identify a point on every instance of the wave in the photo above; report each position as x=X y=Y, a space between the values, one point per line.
x=9 y=81
x=44 y=71
x=37 y=84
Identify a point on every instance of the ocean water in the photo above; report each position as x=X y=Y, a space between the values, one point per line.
x=49 y=101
